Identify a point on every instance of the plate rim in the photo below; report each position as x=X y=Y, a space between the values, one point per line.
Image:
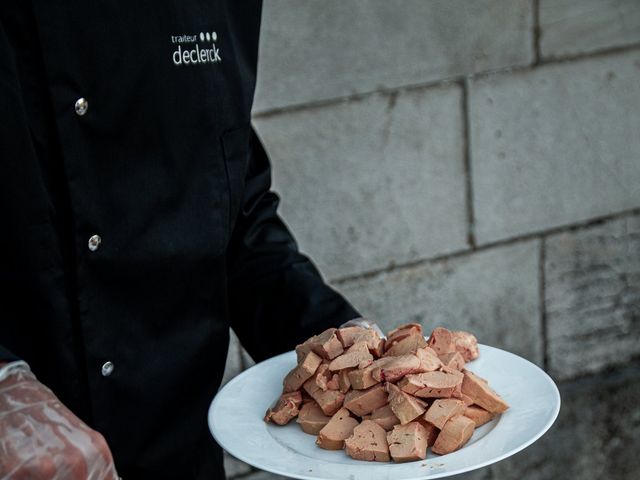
x=507 y=454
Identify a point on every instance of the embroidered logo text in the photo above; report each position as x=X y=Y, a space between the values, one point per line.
x=196 y=49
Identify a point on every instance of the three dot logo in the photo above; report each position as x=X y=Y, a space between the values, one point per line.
x=208 y=36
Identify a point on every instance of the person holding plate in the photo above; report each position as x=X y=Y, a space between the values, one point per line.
x=138 y=225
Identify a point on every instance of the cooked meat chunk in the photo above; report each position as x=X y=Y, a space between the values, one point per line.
x=403 y=405
x=456 y=432
x=311 y=418
x=430 y=384
x=429 y=361
x=385 y=417
x=457 y=392
x=442 y=410
x=432 y=430
x=350 y=335
x=482 y=395
x=325 y=344
x=468 y=401
x=408 y=443
x=479 y=415
x=368 y=442
x=362 y=378
x=466 y=344
x=302 y=372
x=408 y=344
x=325 y=379
x=339 y=428
x=402 y=331
x=440 y=341
x=352 y=357
x=344 y=384
x=396 y=368
x=285 y=409
x=347 y=335
x=330 y=400
x=363 y=402
x=452 y=360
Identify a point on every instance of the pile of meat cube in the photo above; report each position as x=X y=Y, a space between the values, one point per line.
x=382 y=399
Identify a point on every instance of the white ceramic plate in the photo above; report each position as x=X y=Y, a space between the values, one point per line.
x=236 y=413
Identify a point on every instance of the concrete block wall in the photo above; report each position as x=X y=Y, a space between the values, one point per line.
x=474 y=164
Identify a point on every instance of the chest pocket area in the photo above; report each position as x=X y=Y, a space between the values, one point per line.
x=236 y=148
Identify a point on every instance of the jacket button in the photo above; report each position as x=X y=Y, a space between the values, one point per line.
x=107 y=369
x=81 y=106
x=94 y=242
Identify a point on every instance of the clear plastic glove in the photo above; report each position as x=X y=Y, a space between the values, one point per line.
x=41 y=439
x=365 y=323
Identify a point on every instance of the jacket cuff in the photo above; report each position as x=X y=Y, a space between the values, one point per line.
x=13 y=367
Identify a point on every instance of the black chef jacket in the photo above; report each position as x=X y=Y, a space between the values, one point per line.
x=137 y=224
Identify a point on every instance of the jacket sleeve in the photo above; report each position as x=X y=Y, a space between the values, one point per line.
x=9 y=107
x=277 y=297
